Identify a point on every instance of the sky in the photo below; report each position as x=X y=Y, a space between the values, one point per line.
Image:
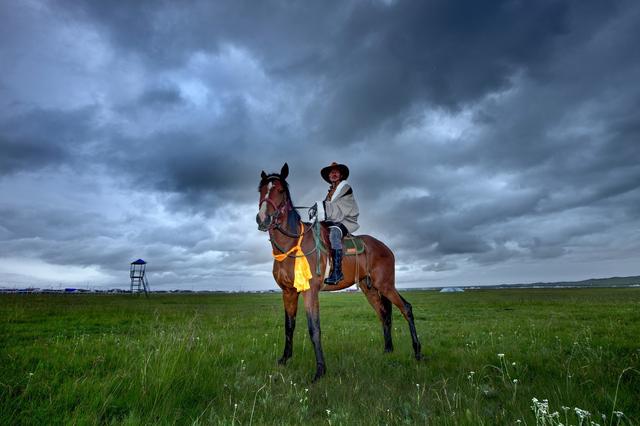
x=488 y=142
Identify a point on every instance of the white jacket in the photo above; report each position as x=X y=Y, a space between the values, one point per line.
x=342 y=208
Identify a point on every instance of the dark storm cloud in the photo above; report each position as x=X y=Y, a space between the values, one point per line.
x=476 y=133
x=165 y=34
x=38 y=138
x=371 y=62
x=56 y=223
x=439 y=267
x=199 y=165
x=442 y=53
x=160 y=98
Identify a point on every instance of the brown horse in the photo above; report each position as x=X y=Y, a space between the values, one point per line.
x=373 y=271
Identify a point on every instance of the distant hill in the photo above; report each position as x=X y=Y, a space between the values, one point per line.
x=593 y=282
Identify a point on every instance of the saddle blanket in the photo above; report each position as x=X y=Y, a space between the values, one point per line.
x=353 y=245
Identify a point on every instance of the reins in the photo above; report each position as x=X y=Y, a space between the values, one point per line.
x=293 y=253
x=317 y=248
x=287 y=233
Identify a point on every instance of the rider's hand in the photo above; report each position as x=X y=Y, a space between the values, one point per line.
x=313 y=212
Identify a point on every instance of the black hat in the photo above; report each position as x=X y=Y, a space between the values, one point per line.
x=344 y=171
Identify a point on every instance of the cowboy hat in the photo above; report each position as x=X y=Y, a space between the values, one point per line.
x=344 y=171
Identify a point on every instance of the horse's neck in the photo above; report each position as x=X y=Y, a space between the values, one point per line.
x=281 y=241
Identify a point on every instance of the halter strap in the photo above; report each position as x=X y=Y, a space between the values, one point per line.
x=281 y=210
x=268 y=200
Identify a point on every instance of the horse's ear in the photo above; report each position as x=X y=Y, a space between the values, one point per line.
x=263 y=175
x=285 y=171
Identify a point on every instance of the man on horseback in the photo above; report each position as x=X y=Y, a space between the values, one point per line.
x=339 y=211
x=374 y=273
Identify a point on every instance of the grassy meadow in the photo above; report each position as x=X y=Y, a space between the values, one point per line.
x=211 y=359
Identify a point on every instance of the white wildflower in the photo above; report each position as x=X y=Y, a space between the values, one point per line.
x=582 y=413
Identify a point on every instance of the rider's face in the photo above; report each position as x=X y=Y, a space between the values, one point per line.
x=335 y=176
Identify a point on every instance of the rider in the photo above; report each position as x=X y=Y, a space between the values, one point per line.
x=339 y=211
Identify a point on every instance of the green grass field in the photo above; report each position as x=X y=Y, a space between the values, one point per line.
x=211 y=359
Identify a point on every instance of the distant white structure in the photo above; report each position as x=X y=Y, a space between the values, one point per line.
x=452 y=290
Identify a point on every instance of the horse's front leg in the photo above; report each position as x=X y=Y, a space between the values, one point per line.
x=312 y=307
x=290 y=299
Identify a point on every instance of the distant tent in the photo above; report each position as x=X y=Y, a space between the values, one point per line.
x=452 y=290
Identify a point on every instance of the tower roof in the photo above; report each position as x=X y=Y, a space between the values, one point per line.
x=139 y=262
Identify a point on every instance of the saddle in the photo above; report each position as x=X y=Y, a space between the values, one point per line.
x=352 y=245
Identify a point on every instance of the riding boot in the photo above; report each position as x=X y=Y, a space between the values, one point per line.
x=336 y=274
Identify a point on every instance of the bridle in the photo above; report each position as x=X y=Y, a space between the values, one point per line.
x=275 y=217
x=279 y=211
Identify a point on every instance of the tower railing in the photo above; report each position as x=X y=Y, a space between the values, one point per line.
x=139 y=282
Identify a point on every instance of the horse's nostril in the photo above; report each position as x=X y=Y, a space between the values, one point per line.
x=263 y=225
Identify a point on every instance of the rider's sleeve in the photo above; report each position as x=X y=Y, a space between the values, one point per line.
x=322 y=215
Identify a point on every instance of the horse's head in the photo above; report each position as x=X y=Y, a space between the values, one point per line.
x=274 y=201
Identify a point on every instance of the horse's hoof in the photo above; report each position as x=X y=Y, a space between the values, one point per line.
x=419 y=357
x=388 y=350
x=282 y=361
x=319 y=373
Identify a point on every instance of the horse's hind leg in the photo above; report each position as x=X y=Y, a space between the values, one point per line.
x=382 y=306
x=290 y=299
x=417 y=348
x=405 y=307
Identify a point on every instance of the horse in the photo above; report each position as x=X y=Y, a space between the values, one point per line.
x=374 y=271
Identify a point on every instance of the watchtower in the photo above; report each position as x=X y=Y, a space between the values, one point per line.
x=138 y=280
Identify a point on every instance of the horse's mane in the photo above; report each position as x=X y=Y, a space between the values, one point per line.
x=293 y=218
